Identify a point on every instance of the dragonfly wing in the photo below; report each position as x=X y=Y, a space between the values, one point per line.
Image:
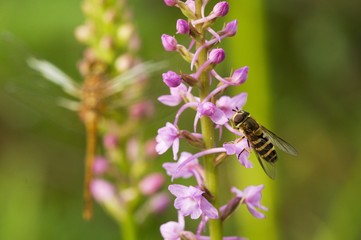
x=55 y=75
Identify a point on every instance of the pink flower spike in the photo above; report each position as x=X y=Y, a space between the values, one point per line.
x=168 y=136
x=190 y=201
x=169 y=43
x=182 y=27
x=171 y=79
x=241 y=149
x=252 y=198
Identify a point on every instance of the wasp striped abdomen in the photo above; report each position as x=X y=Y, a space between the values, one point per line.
x=264 y=148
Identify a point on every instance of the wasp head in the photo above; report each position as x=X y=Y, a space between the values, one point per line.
x=238 y=118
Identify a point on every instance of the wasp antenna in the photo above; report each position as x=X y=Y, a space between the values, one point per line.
x=235 y=109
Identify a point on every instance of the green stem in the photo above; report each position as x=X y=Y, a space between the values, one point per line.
x=207 y=128
x=128 y=226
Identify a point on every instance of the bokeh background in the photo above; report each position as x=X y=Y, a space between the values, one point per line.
x=304 y=84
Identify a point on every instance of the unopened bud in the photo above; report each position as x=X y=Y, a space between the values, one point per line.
x=221 y=9
x=182 y=26
x=151 y=183
x=169 y=43
x=217 y=55
x=171 y=79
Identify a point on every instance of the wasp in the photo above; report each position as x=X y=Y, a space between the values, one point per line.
x=261 y=140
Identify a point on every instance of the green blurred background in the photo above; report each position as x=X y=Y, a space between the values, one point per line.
x=304 y=84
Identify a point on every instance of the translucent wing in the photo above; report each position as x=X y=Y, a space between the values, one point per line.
x=279 y=142
x=268 y=167
x=55 y=75
x=132 y=75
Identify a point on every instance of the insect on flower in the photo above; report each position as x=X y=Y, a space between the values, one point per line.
x=95 y=97
x=262 y=141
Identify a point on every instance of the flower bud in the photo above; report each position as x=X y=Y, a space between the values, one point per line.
x=240 y=76
x=110 y=141
x=170 y=3
x=150 y=148
x=231 y=28
x=124 y=62
x=171 y=79
x=100 y=165
x=159 y=203
x=217 y=55
x=124 y=32
x=182 y=26
x=142 y=110
x=169 y=43
x=151 y=183
x=102 y=191
x=221 y=9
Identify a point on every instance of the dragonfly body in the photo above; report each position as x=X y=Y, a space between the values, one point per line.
x=90 y=112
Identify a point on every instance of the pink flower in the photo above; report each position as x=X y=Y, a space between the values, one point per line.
x=227 y=104
x=252 y=198
x=210 y=110
x=187 y=171
x=241 y=149
x=167 y=136
x=175 y=97
x=173 y=230
x=190 y=201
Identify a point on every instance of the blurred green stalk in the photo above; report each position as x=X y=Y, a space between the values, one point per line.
x=250 y=48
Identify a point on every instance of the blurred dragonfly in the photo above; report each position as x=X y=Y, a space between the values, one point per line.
x=94 y=96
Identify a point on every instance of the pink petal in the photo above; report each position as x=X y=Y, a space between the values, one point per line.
x=208 y=209
x=178 y=190
x=219 y=117
x=170 y=100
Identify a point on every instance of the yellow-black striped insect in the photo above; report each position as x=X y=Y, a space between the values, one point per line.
x=261 y=140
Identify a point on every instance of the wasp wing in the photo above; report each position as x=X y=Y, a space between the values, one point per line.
x=279 y=142
x=268 y=167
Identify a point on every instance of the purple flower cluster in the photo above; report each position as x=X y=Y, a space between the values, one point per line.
x=198 y=201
